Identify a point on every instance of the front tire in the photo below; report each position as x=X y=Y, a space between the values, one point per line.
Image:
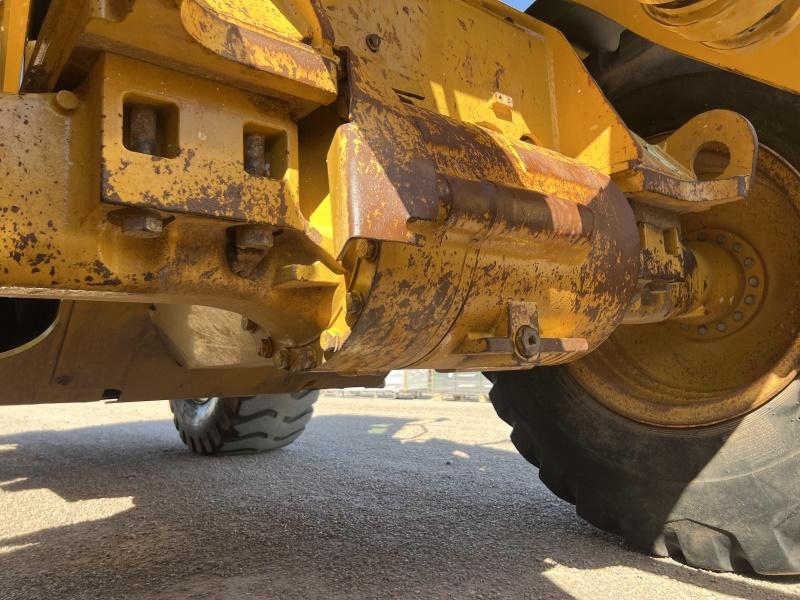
x=250 y=424
x=722 y=495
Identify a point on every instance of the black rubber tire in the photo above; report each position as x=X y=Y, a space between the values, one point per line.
x=249 y=424
x=724 y=498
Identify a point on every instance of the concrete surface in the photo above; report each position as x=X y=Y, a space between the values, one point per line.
x=380 y=499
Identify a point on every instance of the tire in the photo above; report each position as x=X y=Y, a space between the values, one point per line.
x=249 y=424
x=724 y=497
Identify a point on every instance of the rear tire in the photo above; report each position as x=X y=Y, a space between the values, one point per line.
x=250 y=424
x=724 y=497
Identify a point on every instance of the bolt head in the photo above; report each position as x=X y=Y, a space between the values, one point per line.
x=354 y=303
x=367 y=249
x=265 y=347
x=283 y=359
x=67 y=101
x=253 y=237
x=374 y=42
x=142 y=224
x=527 y=341
x=249 y=325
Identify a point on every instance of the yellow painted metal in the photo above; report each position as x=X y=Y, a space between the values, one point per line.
x=753 y=37
x=371 y=185
x=13 y=35
x=741 y=345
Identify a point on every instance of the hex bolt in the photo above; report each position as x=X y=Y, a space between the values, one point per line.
x=144 y=129
x=367 y=249
x=354 y=303
x=283 y=359
x=255 y=154
x=702 y=330
x=249 y=325
x=722 y=327
x=749 y=262
x=307 y=359
x=253 y=237
x=67 y=101
x=138 y=222
x=374 y=42
x=738 y=316
x=266 y=347
x=750 y=300
x=527 y=341
x=753 y=281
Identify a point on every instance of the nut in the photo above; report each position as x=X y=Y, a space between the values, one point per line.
x=138 y=222
x=265 y=347
x=307 y=360
x=283 y=359
x=367 y=249
x=249 y=325
x=527 y=341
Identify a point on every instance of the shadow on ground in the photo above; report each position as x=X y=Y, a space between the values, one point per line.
x=348 y=511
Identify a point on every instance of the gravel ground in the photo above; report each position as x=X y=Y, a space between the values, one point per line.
x=379 y=499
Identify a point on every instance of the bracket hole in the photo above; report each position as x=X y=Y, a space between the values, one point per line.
x=711 y=160
x=266 y=152
x=150 y=126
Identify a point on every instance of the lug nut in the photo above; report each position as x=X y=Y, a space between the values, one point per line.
x=354 y=303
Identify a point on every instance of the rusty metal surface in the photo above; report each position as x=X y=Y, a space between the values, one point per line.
x=457 y=203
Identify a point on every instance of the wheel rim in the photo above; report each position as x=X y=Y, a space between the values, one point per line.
x=703 y=371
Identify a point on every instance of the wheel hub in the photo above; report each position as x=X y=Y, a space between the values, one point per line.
x=740 y=347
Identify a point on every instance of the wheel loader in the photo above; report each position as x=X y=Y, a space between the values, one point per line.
x=232 y=204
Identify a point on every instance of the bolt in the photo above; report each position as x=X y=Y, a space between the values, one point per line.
x=307 y=359
x=527 y=341
x=737 y=247
x=283 y=359
x=143 y=129
x=684 y=327
x=374 y=42
x=738 y=316
x=67 y=101
x=255 y=154
x=367 y=249
x=253 y=237
x=265 y=347
x=749 y=262
x=138 y=222
x=722 y=327
x=249 y=325
x=753 y=281
x=354 y=302
x=702 y=330
x=720 y=239
x=750 y=300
